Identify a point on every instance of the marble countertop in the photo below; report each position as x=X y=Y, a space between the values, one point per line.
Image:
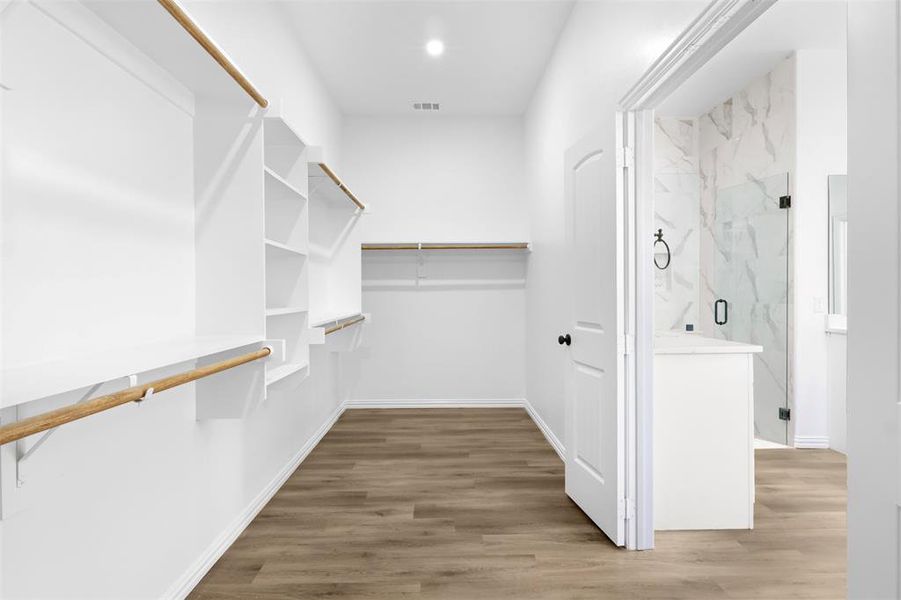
x=687 y=343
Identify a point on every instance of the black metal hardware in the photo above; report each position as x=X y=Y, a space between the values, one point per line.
x=564 y=339
x=716 y=312
x=785 y=201
x=785 y=414
x=659 y=240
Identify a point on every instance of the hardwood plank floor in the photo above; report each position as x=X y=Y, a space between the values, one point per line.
x=469 y=503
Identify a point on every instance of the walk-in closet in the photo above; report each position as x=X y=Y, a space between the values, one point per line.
x=306 y=299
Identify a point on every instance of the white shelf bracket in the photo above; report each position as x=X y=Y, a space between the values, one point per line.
x=23 y=456
x=278 y=350
x=420 y=265
x=148 y=394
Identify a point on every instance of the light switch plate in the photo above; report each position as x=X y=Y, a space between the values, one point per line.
x=819 y=305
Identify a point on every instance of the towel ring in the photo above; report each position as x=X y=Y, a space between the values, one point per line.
x=659 y=240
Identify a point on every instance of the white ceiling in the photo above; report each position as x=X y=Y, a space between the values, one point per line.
x=788 y=26
x=371 y=53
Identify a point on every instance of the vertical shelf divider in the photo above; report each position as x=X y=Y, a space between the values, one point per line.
x=286 y=241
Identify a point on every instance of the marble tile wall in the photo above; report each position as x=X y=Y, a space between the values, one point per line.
x=747 y=138
x=746 y=161
x=676 y=212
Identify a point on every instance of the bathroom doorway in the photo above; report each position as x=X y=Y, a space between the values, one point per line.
x=722 y=251
x=744 y=154
x=737 y=131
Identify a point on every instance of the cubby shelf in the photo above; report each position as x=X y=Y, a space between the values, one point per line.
x=285 y=248
x=287 y=207
x=283 y=187
x=286 y=310
x=284 y=371
x=31 y=382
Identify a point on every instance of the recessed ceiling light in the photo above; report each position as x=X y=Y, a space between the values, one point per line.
x=435 y=47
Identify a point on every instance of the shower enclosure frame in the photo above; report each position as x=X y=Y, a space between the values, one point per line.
x=772 y=197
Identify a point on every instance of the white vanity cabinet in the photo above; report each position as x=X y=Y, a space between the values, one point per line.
x=703 y=433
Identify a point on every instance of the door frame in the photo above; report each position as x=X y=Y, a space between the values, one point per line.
x=719 y=23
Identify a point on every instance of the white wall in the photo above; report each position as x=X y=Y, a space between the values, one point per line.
x=822 y=150
x=261 y=40
x=438 y=178
x=461 y=343
x=133 y=502
x=603 y=50
x=63 y=209
x=874 y=282
x=445 y=325
x=836 y=390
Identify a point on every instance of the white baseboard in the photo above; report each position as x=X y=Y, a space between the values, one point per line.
x=549 y=435
x=436 y=403
x=811 y=441
x=186 y=583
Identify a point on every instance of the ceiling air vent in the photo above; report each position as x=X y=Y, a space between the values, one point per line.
x=426 y=106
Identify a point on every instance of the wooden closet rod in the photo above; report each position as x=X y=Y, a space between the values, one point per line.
x=213 y=50
x=486 y=246
x=498 y=246
x=331 y=175
x=390 y=246
x=348 y=323
x=67 y=414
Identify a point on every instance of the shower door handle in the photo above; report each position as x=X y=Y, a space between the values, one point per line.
x=716 y=312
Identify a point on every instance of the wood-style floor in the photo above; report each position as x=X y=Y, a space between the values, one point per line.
x=469 y=504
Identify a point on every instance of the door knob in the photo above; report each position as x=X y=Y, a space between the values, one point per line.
x=564 y=339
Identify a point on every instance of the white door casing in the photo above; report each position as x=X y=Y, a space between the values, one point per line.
x=595 y=406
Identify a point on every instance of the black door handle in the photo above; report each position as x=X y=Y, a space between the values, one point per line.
x=564 y=339
x=716 y=312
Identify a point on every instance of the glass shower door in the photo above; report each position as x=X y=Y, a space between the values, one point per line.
x=750 y=285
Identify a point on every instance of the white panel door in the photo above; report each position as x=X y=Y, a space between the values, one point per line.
x=594 y=400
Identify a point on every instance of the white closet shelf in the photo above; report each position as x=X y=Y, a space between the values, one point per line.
x=166 y=33
x=32 y=382
x=447 y=246
x=331 y=319
x=287 y=188
x=397 y=284
x=287 y=310
x=278 y=132
x=339 y=326
x=285 y=248
x=283 y=371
